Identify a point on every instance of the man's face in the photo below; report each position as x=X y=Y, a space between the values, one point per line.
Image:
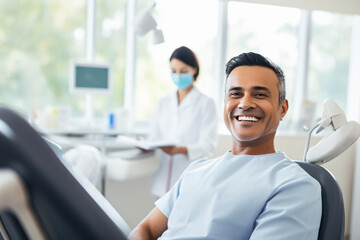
x=252 y=111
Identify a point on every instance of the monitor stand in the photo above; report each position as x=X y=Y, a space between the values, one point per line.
x=89 y=124
x=89 y=111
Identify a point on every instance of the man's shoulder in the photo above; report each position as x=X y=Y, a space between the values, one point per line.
x=282 y=170
x=292 y=174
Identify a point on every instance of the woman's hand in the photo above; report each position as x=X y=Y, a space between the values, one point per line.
x=144 y=150
x=172 y=150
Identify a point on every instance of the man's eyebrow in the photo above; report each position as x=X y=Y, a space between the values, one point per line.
x=255 y=88
x=261 y=88
x=235 y=89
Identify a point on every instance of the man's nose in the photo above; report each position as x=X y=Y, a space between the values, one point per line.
x=246 y=102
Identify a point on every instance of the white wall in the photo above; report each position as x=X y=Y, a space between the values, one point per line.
x=354 y=114
x=340 y=6
x=355 y=207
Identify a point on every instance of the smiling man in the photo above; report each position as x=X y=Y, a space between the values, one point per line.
x=252 y=191
x=254 y=104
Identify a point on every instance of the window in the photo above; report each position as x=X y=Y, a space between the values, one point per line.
x=183 y=23
x=329 y=57
x=40 y=38
x=269 y=30
x=275 y=32
x=110 y=48
x=37 y=40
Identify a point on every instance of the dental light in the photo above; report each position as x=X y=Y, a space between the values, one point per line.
x=343 y=135
x=145 y=23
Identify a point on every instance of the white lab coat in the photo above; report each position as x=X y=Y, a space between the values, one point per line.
x=193 y=124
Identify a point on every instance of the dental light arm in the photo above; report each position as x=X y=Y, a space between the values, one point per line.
x=343 y=136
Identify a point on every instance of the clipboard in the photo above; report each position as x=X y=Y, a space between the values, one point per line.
x=144 y=144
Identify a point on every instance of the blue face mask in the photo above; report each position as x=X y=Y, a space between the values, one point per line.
x=183 y=80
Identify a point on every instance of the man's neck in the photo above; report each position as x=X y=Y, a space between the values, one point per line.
x=261 y=146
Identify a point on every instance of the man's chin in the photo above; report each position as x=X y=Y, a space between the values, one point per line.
x=252 y=137
x=243 y=137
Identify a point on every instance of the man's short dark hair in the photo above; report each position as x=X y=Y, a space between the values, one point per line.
x=255 y=59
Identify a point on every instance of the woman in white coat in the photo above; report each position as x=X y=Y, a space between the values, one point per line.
x=185 y=116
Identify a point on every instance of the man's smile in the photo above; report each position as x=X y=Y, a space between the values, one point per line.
x=247 y=118
x=250 y=115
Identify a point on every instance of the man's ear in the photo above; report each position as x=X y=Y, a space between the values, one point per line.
x=283 y=108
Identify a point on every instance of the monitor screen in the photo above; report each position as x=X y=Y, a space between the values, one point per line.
x=90 y=78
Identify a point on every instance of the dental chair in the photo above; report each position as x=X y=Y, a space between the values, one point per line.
x=333 y=215
x=342 y=135
x=40 y=198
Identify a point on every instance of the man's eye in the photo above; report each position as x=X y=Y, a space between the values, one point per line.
x=260 y=95
x=235 y=94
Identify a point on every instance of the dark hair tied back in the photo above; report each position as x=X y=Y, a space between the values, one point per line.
x=187 y=56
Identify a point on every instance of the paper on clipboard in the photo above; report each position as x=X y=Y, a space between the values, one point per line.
x=144 y=144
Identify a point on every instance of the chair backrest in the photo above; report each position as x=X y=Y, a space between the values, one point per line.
x=64 y=206
x=333 y=216
x=59 y=152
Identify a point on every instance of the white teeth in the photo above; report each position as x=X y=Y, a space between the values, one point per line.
x=246 y=118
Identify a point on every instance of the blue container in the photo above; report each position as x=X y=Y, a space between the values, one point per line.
x=111 y=121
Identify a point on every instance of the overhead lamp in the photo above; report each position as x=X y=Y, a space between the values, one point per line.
x=343 y=134
x=158 y=36
x=145 y=23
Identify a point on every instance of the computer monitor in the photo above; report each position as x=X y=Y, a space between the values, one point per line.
x=90 y=78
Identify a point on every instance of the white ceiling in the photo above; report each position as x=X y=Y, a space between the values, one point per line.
x=340 y=6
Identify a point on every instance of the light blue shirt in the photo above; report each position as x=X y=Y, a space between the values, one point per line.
x=243 y=197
